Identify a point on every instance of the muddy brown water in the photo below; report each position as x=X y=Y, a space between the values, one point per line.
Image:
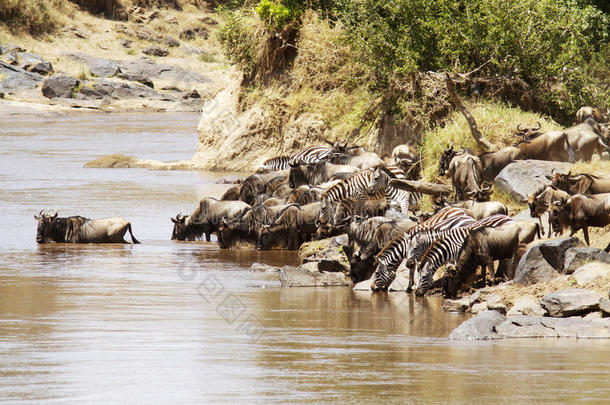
x=167 y=322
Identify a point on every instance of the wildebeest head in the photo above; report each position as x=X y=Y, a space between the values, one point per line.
x=445 y=159
x=528 y=133
x=482 y=194
x=180 y=231
x=45 y=227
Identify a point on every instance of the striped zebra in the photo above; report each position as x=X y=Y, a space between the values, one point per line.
x=447 y=248
x=354 y=188
x=275 y=163
x=381 y=181
x=313 y=154
x=394 y=252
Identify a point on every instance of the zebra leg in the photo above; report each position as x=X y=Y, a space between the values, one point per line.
x=411 y=275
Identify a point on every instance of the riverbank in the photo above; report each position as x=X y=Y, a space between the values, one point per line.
x=157 y=60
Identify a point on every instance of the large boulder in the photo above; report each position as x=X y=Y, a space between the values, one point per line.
x=481 y=327
x=328 y=253
x=308 y=275
x=526 y=306
x=572 y=301
x=103 y=67
x=13 y=78
x=59 y=85
x=580 y=256
x=155 y=51
x=522 y=177
x=123 y=90
x=544 y=261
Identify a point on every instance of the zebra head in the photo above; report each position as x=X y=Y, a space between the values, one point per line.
x=378 y=181
x=424 y=283
x=382 y=278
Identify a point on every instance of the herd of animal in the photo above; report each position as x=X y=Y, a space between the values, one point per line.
x=324 y=191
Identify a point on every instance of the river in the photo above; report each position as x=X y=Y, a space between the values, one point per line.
x=168 y=322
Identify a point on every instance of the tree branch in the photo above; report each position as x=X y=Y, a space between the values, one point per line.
x=474 y=129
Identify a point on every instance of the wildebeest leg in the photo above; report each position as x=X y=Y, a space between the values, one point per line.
x=585 y=231
x=411 y=275
x=208 y=236
x=133 y=239
x=501 y=272
x=550 y=226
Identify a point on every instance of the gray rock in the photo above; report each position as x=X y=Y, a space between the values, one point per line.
x=523 y=177
x=146 y=35
x=578 y=327
x=137 y=78
x=103 y=67
x=122 y=90
x=604 y=305
x=589 y=272
x=521 y=326
x=13 y=78
x=461 y=305
x=526 y=306
x=307 y=275
x=577 y=257
x=593 y=315
x=149 y=68
x=125 y=43
x=364 y=285
x=479 y=307
x=155 y=51
x=572 y=301
x=260 y=267
x=192 y=94
x=193 y=32
x=59 y=85
x=6 y=48
x=494 y=302
x=171 y=41
x=42 y=68
x=544 y=261
x=481 y=327
x=90 y=93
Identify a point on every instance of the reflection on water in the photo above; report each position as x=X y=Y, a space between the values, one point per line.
x=167 y=322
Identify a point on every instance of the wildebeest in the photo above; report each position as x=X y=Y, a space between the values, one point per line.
x=257 y=184
x=552 y=145
x=466 y=173
x=232 y=194
x=594 y=113
x=542 y=200
x=494 y=162
x=581 y=212
x=582 y=183
x=482 y=247
x=314 y=174
x=77 y=229
x=205 y=218
x=480 y=210
x=586 y=139
x=294 y=225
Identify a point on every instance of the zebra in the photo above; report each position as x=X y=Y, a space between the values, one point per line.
x=275 y=163
x=380 y=180
x=447 y=248
x=354 y=188
x=394 y=252
x=313 y=154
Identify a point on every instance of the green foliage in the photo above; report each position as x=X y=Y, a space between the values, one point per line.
x=238 y=40
x=277 y=15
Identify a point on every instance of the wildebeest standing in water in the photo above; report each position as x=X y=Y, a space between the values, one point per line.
x=77 y=229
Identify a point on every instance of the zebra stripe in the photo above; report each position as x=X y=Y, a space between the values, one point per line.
x=353 y=188
x=276 y=163
x=393 y=253
x=313 y=154
x=447 y=247
x=405 y=199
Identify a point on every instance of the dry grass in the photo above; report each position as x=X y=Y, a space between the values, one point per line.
x=35 y=17
x=495 y=121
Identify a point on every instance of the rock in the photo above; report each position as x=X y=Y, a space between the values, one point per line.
x=330 y=258
x=192 y=94
x=156 y=51
x=479 y=307
x=524 y=326
x=481 y=327
x=572 y=301
x=137 y=78
x=593 y=315
x=604 y=305
x=522 y=177
x=77 y=32
x=494 y=302
x=264 y=268
x=13 y=78
x=42 y=68
x=527 y=306
x=90 y=93
x=193 y=51
x=577 y=257
x=123 y=90
x=59 y=85
x=171 y=41
x=6 y=48
x=544 y=261
x=149 y=68
x=589 y=272
x=307 y=275
x=192 y=32
x=103 y=67
x=537 y=326
x=125 y=43
x=147 y=35
x=364 y=285
x=461 y=305
x=1 y=95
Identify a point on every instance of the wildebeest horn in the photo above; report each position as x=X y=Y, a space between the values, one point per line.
x=54 y=214
x=179 y=217
x=519 y=128
x=539 y=126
